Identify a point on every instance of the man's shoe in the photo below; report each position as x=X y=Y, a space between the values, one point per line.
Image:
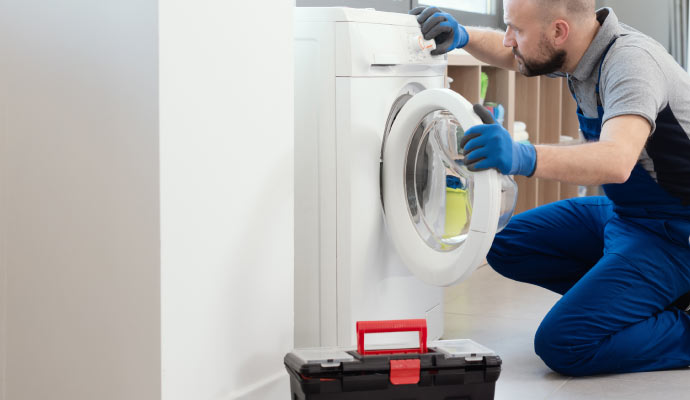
x=683 y=302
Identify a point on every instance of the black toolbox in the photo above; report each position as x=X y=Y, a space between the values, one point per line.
x=447 y=370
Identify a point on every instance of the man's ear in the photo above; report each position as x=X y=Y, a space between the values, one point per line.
x=561 y=32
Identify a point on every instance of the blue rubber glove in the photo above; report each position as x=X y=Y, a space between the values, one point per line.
x=490 y=146
x=441 y=27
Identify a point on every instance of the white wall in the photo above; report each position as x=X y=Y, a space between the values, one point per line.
x=79 y=162
x=226 y=197
x=649 y=17
x=146 y=190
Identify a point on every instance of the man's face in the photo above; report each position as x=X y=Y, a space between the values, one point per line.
x=527 y=35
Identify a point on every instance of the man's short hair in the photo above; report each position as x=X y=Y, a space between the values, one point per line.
x=571 y=7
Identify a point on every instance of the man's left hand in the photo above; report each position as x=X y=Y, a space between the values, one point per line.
x=490 y=146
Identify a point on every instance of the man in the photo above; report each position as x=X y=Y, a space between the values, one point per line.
x=619 y=261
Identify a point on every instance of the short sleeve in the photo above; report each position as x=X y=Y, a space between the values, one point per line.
x=633 y=83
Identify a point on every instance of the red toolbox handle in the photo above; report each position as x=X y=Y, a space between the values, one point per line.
x=409 y=325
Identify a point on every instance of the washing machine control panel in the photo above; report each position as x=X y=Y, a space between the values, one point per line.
x=419 y=48
x=365 y=49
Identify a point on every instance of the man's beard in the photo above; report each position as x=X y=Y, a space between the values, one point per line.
x=555 y=62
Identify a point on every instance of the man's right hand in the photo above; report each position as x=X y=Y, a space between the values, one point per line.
x=443 y=28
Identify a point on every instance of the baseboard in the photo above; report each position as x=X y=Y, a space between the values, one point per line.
x=3 y=314
x=3 y=332
x=276 y=387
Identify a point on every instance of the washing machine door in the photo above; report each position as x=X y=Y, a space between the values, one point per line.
x=441 y=217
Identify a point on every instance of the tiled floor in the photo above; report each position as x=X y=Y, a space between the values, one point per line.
x=504 y=315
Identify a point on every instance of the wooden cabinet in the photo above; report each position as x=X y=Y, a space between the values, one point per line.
x=543 y=104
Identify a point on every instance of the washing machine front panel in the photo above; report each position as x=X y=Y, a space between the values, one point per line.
x=370 y=270
x=441 y=217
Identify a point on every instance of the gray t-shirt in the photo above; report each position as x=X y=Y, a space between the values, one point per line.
x=639 y=77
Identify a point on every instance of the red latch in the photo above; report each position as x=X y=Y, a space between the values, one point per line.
x=405 y=372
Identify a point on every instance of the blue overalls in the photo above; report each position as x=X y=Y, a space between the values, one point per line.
x=619 y=261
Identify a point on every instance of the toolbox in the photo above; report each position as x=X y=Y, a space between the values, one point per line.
x=445 y=370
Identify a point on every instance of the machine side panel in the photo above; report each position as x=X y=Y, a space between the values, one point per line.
x=315 y=189
x=344 y=247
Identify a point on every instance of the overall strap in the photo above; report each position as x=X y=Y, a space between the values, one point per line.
x=568 y=78
x=601 y=64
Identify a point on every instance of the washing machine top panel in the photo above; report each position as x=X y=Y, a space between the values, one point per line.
x=441 y=217
x=346 y=14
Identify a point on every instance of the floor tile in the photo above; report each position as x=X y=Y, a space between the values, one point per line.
x=524 y=375
x=678 y=377
x=610 y=388
x=489 y=294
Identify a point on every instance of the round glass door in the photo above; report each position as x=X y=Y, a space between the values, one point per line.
x=439 y=187
x=441 y=217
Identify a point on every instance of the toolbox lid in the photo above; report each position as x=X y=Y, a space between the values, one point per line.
x=326 y=357
x=462 y=348
x=443 y=354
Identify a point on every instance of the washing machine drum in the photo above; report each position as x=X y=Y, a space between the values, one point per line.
x=441 y=217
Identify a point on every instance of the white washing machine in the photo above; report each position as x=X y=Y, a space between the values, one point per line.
x=386 y=214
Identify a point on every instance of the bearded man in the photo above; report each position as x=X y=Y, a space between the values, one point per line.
x=621 y=261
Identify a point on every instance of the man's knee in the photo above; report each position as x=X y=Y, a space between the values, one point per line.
x=500 y=257
x=555 y=343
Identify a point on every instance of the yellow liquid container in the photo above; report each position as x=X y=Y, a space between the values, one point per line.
x=458 y=212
